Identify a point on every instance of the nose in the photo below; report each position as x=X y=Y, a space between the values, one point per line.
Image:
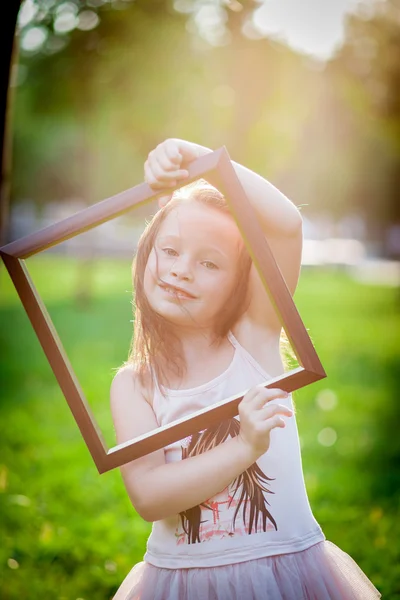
x=181 y=269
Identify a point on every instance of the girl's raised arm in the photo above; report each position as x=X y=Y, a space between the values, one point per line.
x=158 y=489
x=279 y=217
x=166 y=165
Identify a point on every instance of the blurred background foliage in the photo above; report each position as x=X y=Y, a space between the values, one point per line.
x=99 y=83
x=68 y=533
x=95 y=86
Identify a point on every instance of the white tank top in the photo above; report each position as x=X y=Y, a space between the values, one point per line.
x=285 y=520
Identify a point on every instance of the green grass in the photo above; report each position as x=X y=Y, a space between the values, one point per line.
x=68 y=533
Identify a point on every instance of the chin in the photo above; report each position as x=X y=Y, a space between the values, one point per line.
x=175 y=315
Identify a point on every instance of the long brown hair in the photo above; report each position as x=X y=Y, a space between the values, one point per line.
x=154 y=347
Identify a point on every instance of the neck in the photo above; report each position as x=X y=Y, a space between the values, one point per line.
x=195 y=346
x=197 y=343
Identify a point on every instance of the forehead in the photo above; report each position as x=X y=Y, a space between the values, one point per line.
x=196 y=222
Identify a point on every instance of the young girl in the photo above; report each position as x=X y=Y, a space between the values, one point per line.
x=230 y=513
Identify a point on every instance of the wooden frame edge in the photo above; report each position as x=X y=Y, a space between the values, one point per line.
x=218 y=169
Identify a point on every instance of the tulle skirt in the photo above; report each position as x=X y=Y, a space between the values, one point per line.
x=321 y=572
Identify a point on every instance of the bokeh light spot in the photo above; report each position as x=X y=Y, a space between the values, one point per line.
x=327 y=436
x=65 y=22
x=27 y=12
x=67 y=7
x=12 y=563
x=110 y=566
x=20 y=500
x=87 y=20
x=210 y=23
x=326 y=399
x=33 y=38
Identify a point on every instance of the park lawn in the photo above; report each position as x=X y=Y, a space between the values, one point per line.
x=68 y=533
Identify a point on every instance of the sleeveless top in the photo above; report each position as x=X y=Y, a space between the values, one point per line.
x=285 y=521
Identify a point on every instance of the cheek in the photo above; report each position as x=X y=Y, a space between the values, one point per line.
x=222 y=286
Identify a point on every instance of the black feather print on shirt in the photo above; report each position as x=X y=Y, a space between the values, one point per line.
x=249 y=486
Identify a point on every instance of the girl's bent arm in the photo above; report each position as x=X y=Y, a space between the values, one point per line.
x=158 y=489
x=276 y=212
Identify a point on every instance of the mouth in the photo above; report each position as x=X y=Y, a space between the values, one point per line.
x=173 y=290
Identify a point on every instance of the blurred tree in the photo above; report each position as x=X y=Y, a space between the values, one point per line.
x=106 y=81
x=56 y=100
x=213 y=84
x=367 y=69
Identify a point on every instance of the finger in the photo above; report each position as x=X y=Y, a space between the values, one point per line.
x=250 y=395
x=148 y=175
x=266 y=395
x=156 y=168
x=172 y=152
x=162 y=167
x=276 y=421
x=269 y=424
x=274 y=409
x=163 y=177
x=165 y=161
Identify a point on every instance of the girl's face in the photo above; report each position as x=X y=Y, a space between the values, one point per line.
x=191 y=270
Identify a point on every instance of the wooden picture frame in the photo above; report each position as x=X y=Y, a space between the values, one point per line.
x=217 y=168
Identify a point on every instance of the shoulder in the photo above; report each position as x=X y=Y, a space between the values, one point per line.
x=131 y=412
x=127 y=382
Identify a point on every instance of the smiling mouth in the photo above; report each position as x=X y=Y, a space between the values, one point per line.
x=173 y=291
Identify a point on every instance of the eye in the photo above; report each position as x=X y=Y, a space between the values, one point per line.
x=210 y=265
x=170 y=251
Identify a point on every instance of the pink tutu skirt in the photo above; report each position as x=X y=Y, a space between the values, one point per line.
x=321 y=572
